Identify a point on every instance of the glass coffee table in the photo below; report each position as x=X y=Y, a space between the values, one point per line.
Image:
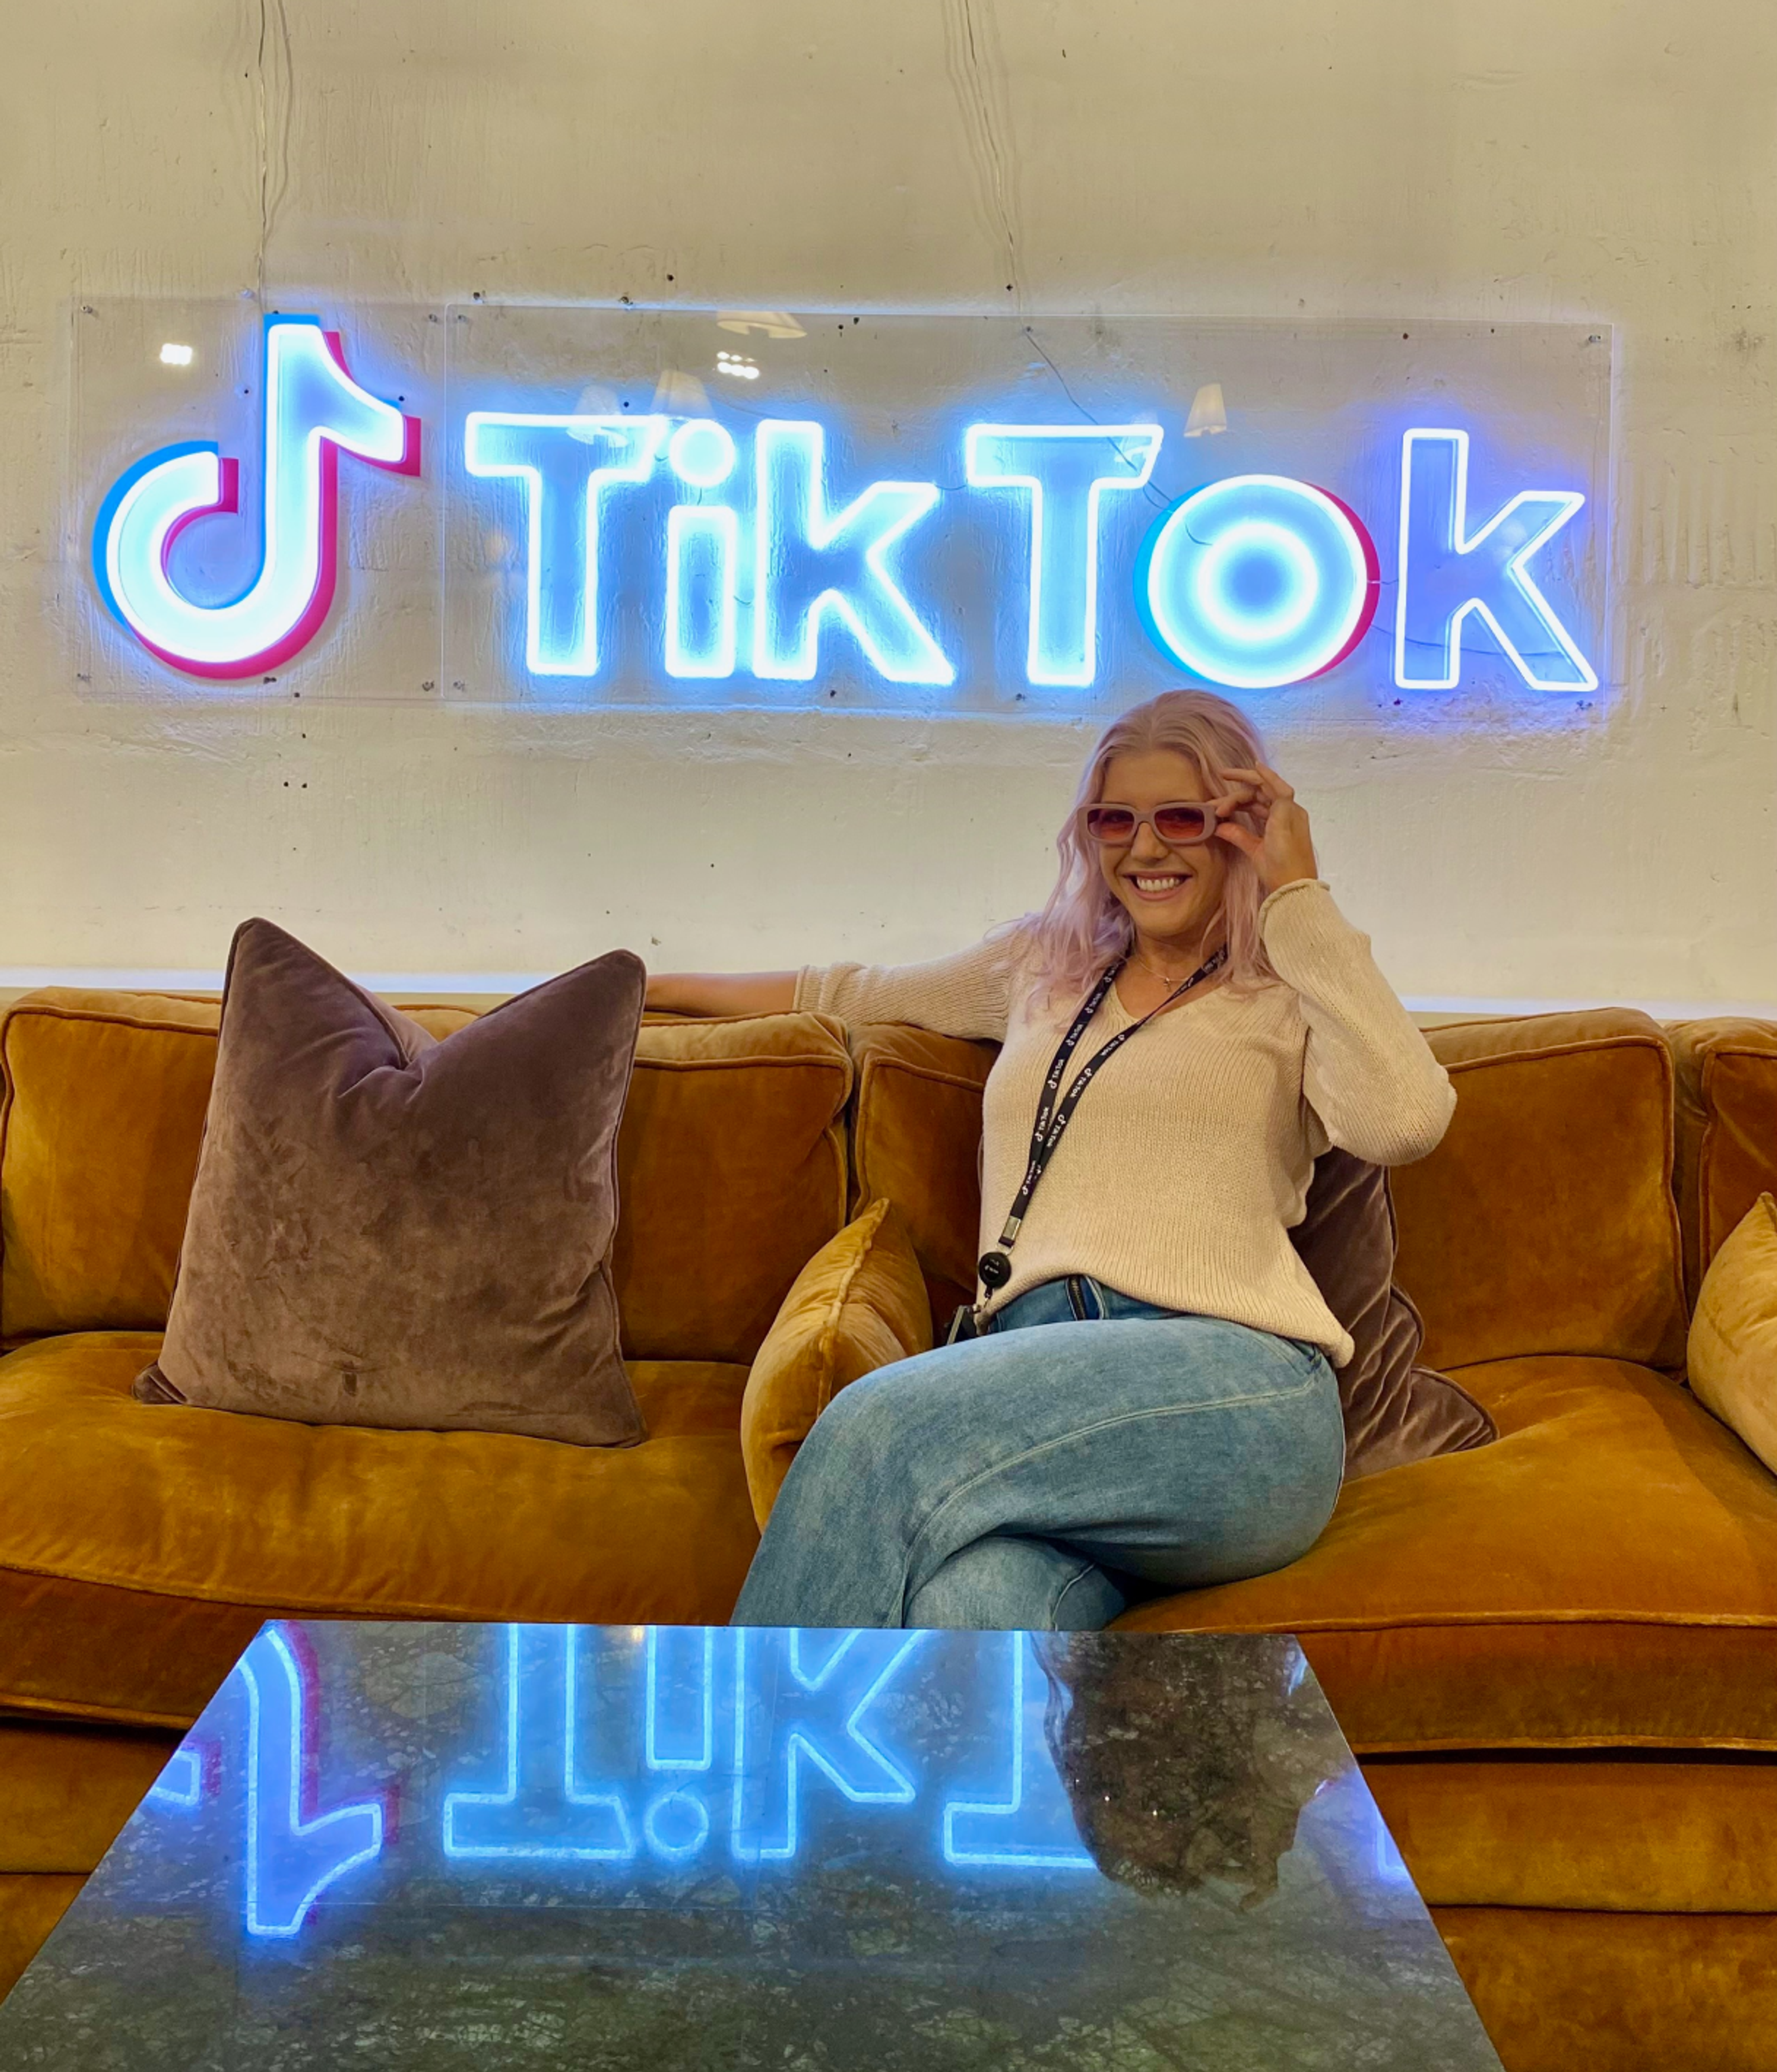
x=615 y=1848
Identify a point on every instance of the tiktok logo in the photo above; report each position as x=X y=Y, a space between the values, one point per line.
x=313 y=412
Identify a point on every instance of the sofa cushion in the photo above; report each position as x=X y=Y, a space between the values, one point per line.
x=1727 y=1128
x=858 y=1305
x=731 y=1164
x=390 y=1231
x=141 y=1547
x=1732 y=1354
x=1544 y=1222
x=1604 y=1575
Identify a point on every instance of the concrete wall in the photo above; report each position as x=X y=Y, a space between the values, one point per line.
x=1611 y=159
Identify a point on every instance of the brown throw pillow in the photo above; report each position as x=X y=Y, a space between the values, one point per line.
x=393 y=1231
x=1395 y=1411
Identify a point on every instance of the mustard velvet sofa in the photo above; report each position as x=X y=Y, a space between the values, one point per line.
x=1556 y=1657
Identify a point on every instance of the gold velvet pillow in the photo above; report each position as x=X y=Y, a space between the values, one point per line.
x=1733 y=1354
x=859 y=1304
x=390 y=1229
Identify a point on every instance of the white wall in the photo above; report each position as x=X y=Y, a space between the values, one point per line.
x=1612 y=159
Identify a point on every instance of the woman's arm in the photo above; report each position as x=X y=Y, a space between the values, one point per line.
x=1367 y=1072
x=968 y=994
x=722 y=993
x=965 y=994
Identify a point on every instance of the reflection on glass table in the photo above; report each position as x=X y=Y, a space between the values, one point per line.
x=407 y=1845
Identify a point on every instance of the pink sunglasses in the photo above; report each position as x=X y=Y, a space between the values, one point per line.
x=1180 y=824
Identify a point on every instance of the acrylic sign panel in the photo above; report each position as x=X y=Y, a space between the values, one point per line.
x=695 y=511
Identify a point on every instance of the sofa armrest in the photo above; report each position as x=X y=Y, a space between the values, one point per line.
x=859 y=1304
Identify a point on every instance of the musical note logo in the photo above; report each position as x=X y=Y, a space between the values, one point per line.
x=314 y=411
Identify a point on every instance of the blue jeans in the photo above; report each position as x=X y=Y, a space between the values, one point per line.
x=1038 y=1478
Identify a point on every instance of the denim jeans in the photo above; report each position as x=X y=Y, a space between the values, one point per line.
x=1088 y=1448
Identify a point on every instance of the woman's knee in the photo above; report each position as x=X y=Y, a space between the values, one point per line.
x=1003 y=1583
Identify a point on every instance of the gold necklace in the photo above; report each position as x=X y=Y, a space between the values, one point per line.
x=1166 y=978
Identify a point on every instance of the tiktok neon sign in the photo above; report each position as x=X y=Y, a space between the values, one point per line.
x=760 y=551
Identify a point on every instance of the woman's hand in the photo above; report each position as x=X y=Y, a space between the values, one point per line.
x=1283 y=849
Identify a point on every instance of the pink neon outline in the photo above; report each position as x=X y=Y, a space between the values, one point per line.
x=320 y=600
x=1372 y=593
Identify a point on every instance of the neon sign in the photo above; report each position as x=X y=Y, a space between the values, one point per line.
x=970 y=557
x=1448 y=574
x=313 y=412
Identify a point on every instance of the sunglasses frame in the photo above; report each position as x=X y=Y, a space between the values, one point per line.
x=1206 y=807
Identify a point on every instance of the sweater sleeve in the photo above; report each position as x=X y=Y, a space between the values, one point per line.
x=968 y=994
x=1368 y=1073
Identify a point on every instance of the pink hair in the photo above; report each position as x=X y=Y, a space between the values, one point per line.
x=1083 y=926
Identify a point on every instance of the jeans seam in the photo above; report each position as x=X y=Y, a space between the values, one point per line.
x=1086 y=1432
x=1086 y=1568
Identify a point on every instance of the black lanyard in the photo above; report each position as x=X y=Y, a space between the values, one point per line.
x=1051 y=1126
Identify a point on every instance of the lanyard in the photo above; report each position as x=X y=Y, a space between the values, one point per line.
x=1051 y=1126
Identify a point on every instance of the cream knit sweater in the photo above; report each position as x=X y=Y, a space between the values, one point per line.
x=1187 y=1163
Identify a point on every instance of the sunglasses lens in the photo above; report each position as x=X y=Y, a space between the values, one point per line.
x=1110 y=824
x=1181 y=824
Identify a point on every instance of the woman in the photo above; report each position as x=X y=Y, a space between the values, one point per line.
x=1149 y=1401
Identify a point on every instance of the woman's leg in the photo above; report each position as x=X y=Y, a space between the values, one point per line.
x=1004 y=1584
x=1183 y=1449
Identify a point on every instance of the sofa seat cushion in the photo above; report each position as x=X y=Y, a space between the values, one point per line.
x=1604 y=1575
x=148 y=1514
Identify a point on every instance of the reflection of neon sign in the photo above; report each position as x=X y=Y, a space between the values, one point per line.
x=294 y=1852
x=181 y=1782
x=1032 y=1826
x=313 y=411
x=849 y=1758
x=541 y=1810
x=765 y=549
x=633 y=1753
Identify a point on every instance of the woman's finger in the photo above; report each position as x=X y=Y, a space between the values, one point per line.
x=1242 y=839
x=1283 y=789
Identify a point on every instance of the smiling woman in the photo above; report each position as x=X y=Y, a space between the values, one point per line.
x=1143 y=1395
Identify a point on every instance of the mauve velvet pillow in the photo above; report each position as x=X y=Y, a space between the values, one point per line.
x=393 y=1231
x=1395 y=1411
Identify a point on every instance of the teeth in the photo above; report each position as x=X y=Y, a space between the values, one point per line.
x=1157 y=884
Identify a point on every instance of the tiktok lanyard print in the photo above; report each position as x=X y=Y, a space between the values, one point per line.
x=995 y=1268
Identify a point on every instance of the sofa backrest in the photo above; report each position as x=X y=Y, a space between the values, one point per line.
x=1727 y=1128
x=731 y=1165
x=916 y=1131
x=1544 y=1223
